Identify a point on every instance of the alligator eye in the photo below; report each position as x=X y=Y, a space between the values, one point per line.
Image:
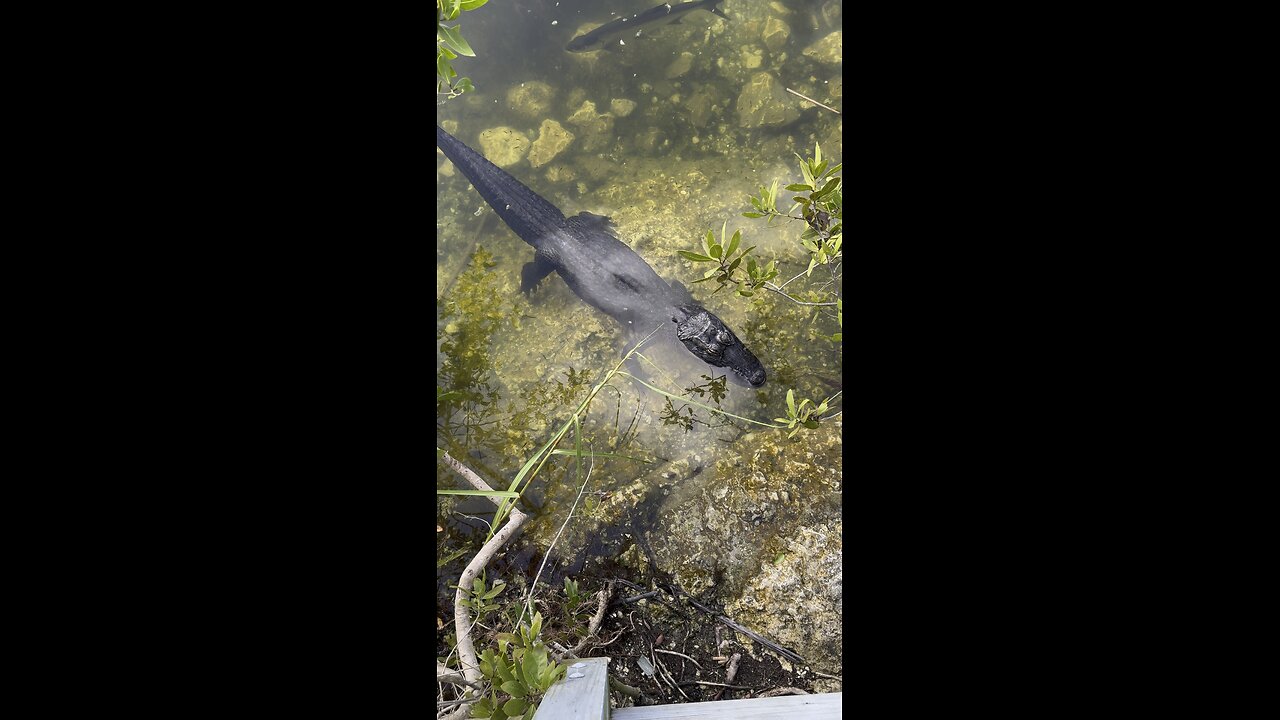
x=724 y=338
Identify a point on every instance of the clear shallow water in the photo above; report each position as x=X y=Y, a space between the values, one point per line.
x=681 y=161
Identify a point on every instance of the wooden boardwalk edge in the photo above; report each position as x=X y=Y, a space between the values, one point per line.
x=587 y=698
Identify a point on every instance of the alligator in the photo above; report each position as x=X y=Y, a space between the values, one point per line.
x=600 y=268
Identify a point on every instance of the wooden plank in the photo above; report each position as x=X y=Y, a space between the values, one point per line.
x=823 y=706
x=584 y=698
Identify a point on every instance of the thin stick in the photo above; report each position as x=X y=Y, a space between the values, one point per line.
x=815 y=102
x=673 y=652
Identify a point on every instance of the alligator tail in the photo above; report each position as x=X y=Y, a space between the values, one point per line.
x=523 y=210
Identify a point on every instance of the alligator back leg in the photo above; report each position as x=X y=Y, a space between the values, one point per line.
x=533 y=272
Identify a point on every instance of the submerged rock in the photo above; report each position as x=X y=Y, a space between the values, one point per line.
x=504 y=146
x=531 y=99
x=622 y=107
x=552 y=139
x=764 y=102
x=680 y=66
x=701 y=105
x=596 y=128
x=831 y=12
x=776 y=33
x=560 y=173
x=828 y=50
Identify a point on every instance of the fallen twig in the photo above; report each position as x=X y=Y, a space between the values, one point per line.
x=449 y=675
x=788 y=654
x=673 y=652
x=815 y=102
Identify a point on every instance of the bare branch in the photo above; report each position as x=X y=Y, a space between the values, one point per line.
x=467 y=658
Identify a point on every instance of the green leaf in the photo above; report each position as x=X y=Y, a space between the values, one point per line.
x=536 y=628
x=811 y=424
x=453 y=38
x=443 y=69
x=716 y=251
x=451 y=8
x=706 y=243
x=799 y=187
x=703 y=279
x=791 y=401
x=745 y=293
x=482 y=493
x=817 y=153
x=504 y=671
x=528 y=714
x=836 y=337
x=495 y=592
x=752 y=215
x=464 y=85
x=514 y=706
x=472 y=5
x=514 y=689
x=832 y=184
x=530 y=665
x=733 y=244
x=694 y=256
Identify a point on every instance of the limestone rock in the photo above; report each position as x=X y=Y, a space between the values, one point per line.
x=504 y=146
x=831 y=12
x=531 y=99
x=680 y=66
x=775 y=34
x=648 y=141
x=828 y=50
x=596 y=129
x=622 y=107
x=560 y=173
x=552 y=138
x=701 y=105
x=764 y=102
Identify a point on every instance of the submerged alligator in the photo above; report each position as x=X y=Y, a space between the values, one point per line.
x=664 y=14
x=600 y=268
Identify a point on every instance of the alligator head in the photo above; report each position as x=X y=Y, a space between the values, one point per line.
x=706 y=336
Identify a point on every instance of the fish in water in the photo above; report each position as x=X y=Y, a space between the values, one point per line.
x=600 y=268
x=612 y=34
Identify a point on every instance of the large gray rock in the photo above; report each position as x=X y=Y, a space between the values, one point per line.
x=764 y=102
x=504 y=146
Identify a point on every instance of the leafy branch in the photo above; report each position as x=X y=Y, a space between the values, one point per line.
x=450 y=44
